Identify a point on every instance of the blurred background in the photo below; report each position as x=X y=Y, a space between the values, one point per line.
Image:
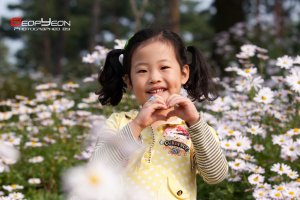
x=48 y=78
x=217 y=27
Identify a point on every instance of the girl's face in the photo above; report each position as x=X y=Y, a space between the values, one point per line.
x=155 y=70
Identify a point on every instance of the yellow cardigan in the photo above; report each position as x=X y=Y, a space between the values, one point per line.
x=172 y=155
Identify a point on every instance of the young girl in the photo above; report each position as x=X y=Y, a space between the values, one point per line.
x=155 y=66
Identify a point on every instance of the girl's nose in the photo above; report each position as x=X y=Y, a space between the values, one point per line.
x=154 y=77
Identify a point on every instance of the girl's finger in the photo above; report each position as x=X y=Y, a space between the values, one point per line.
x=172 y=97
x=177 y=101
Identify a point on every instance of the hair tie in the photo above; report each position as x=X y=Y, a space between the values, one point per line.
x=121 y=58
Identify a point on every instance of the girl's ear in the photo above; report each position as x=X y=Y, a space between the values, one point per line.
x=127 y=81
x=185 y=74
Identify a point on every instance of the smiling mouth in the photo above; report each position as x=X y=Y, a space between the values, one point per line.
x=156 y=91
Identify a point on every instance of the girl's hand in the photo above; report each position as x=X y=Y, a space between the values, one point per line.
x=150 y=112
x=183 y=108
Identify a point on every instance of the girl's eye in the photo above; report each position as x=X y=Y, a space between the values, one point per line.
x=165 y=67
x=141 y=71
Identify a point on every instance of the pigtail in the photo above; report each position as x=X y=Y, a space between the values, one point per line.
x=110 y=79
x=200 y=85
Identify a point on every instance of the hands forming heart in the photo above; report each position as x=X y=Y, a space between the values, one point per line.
x=157 y=108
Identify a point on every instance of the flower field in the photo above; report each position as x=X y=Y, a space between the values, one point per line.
x=45 y=141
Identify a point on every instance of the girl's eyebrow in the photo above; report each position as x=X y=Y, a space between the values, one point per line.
x=145 y=63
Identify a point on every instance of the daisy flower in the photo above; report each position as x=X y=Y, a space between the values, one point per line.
x=93 y=181
x=293 y=80
x=36 y=159
x=265 y=95
x=34 y=181
x=12 y=187
x=255 y=179
x=241 y=143
x=247 y=72
x=281 y=168
x=260 y=193
x=291 y=193
x=289 y=149
x=280 y=139
x=258 y=147
x=248 y=49
x=227 y=144
x=285 y=62
x=237 y=164
x=297 y=60
x=16 y=196
x=255 y=129
x=275 y=194
x=294 y=131
x=293 y=174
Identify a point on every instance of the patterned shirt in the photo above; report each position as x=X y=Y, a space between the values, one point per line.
x=171 y=156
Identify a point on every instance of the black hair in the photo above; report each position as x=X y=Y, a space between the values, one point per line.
x=199 y=85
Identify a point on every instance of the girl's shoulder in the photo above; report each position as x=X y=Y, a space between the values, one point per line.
x=125 y=114
x=118 y=120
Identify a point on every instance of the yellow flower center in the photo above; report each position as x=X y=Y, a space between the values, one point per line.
x=237 y=164
x=264 y=98
x=280 y=188
x=277 y=194
x=247 y=71
x=298 y=82
x=238 y=144
x=256 y=179
x=230 y=132
x=227 y=144
x=14 y=186
x=296 y=130
x=253 y=129
x=291 y=193
x=94 y=180
x=292 y=149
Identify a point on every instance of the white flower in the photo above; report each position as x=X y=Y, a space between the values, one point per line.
x=249 y=49
x=258 y=147
x=237 y=164
x=291 y=193
x=247 y=72
x=293 y=80
x=255 y=129
x=297 y=60
x=12 y=187
x=281 y=168
x=8 y=152
x=260 y=193
x=46 y=86
x=289 y=148
x=242 y=143
x=36 y=159
x=120 y=44
x=285 y=62
x=265 y=95
x=16 y=196
x=33 y=144
x=293 y=174
x=293 y=131
x=280 y=139
x=93 y=181
x=34 y=181
x=227 y=144
x=275 y=194
x=256 y=179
